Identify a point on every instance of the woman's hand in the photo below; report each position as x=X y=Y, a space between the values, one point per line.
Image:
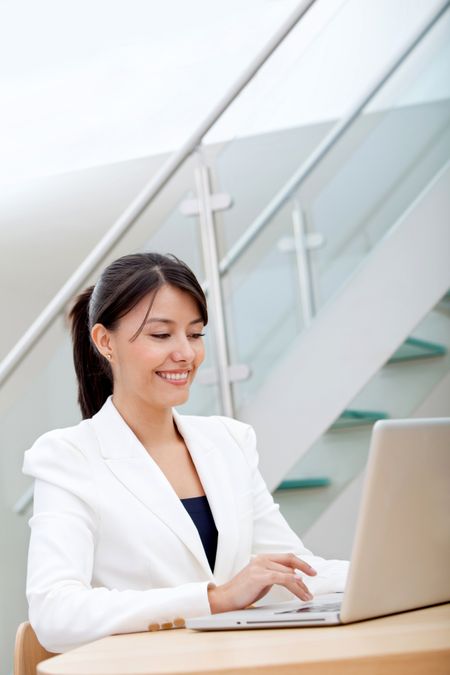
x=256 y=579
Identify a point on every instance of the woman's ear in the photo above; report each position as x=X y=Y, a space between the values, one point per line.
x=101 y=337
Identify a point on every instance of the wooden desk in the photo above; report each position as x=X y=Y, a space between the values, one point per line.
x=416 y=643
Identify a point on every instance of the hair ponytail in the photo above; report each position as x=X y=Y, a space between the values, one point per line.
x=92 y=370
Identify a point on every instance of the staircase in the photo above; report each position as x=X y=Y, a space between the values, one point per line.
x=325 y=516
x=408 y=269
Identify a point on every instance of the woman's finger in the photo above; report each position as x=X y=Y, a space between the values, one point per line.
x=292 y=561
x=288 y=580
x=279 y=567
x=299 y=589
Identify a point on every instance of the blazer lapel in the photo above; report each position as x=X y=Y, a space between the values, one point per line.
x=135 y=469
x=208 y=454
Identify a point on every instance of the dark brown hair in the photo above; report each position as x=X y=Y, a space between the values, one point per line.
x=121 y=286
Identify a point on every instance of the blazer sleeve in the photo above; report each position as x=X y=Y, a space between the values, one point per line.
x=64 y=609
x=271 y=532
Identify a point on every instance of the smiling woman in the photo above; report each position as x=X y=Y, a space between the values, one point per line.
x=139 y=321
x=143 y=517
x=154 y=361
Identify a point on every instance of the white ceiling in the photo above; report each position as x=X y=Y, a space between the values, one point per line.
x=99 y=81
x=94 y=82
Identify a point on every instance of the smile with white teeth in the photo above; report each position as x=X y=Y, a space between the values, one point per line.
x=174 y=376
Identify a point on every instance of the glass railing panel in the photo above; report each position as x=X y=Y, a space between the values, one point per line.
x=373 y=174
x=309 y=84
x=348 y=203
x=406 y=389
x=178 y=235
x=263 y=305
x=267 y=133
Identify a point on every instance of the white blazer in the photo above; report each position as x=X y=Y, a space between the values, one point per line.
x=112 y=548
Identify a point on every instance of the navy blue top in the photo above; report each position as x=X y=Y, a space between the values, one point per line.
x=200 y=512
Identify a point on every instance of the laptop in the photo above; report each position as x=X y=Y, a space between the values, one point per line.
x=401 y=552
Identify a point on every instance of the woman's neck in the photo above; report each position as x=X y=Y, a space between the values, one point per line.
x=153 y=427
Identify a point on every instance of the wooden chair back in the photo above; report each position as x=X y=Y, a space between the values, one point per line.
x=28 y=652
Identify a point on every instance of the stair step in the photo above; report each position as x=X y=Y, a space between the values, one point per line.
x=413 y=349
x=444 y=302
x=302 y=483
x=357 y=418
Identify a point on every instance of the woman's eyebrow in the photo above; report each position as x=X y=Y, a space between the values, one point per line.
x=170 y=321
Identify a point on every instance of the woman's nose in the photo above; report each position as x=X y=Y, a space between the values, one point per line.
x=183 y=351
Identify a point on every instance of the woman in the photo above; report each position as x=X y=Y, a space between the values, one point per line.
x=143 y=517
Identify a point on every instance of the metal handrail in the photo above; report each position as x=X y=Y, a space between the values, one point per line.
x=142 y=200
x=324 y=147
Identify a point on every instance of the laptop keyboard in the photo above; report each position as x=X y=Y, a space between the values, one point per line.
x=329 y=607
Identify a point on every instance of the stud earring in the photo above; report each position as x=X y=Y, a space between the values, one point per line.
x=108 y=356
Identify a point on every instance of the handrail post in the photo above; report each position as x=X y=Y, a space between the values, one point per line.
x=211 y=265
x=303 y=265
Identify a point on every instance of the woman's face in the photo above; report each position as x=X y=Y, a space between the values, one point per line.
x=158 y=366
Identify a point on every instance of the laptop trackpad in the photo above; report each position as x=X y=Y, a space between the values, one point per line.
x=331 y=602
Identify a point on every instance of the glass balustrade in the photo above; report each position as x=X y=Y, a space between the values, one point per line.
x=316 y=239
x=263 y=305
x=375 y=172
x=284 y=113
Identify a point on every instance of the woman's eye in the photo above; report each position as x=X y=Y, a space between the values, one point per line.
x=164 y=336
